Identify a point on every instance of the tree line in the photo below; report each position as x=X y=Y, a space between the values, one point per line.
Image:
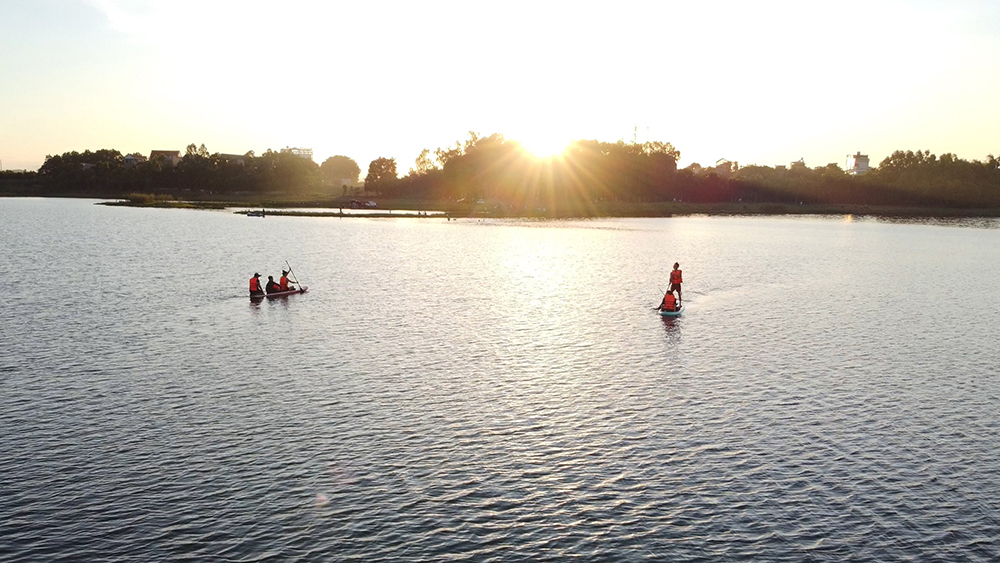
x=502 y=172
x=109 y=173
x=590 y=172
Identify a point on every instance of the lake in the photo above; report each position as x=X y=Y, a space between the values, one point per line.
x=496 y=390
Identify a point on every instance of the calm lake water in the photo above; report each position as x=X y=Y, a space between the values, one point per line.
x=496 y=390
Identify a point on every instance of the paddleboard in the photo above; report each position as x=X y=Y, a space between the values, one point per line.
x=676 y=313
x=302 y=289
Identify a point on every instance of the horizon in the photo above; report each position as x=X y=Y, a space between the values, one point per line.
x=767 y=84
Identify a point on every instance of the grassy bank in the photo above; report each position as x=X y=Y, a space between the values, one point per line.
x=163 y=201
x=169 y=204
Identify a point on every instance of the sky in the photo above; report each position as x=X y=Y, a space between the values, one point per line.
x=765 y=82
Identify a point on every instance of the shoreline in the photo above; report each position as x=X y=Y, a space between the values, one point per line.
x=708 y=210
x=446 y=210
x=428 y=209
x=387 y=214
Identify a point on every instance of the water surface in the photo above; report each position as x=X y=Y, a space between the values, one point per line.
x=496 y=390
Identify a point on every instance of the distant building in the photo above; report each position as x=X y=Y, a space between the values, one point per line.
x=857 y=164
x=299 y=152
x=800 y=164
x=170 y=158
x=725 y=168
x=131 y=160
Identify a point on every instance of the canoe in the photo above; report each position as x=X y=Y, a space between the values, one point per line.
x=302 y=289
x=676 y=313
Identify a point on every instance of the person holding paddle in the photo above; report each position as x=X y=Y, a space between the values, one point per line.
x=676 y=281
x=283 y=282
x=669 y=302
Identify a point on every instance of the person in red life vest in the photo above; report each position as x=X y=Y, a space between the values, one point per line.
x=283 y=283
x=255 y=288
x=271 y=286
x=676 y=281
x=669 y=302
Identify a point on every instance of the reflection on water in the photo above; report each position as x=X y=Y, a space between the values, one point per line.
x=671 y=325
x=349 y=211
x=496 y=390
x=968 y=222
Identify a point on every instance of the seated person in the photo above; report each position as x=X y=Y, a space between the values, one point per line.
x=669 y=302
x=272 y=286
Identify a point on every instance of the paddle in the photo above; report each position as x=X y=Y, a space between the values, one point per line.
x=293 y=275
x=664 y=293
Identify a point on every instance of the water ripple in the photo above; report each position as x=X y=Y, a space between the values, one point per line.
x=457 y=392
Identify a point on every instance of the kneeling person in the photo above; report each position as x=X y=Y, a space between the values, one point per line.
x=255 y=288
x=283 y=283
x=669 y=302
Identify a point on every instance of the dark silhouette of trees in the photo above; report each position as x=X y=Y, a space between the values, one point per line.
x=505 y=176
x=502 y=171
x=381 y=175
x=339 y=169
x=104 y=174
x=590 y=172
x=201 y=151
x=944 y=180
x=87 y=173
x=19 y=182
x=423 y=163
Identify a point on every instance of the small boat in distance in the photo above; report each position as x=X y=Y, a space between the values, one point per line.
x=261 y=296
x=255 y=213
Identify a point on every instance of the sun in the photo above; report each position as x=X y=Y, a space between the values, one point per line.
x=544 y=146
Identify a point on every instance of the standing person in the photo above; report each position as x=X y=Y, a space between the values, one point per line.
x=669 y=302
x=271 y=286
x=283 y=282
x=676 y=281
x=255 y=288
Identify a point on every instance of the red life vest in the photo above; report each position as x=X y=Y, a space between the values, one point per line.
x=675 y=277
x=669 y=302
x=283 y=283
x=254 y=285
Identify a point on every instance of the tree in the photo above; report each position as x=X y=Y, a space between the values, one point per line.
x=197 y=151
x=460 y=148
x=423 y=164
x=340 y=170
x=381 y=174
x=658 y=147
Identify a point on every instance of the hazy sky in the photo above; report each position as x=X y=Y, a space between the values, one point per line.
x=764 y=82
